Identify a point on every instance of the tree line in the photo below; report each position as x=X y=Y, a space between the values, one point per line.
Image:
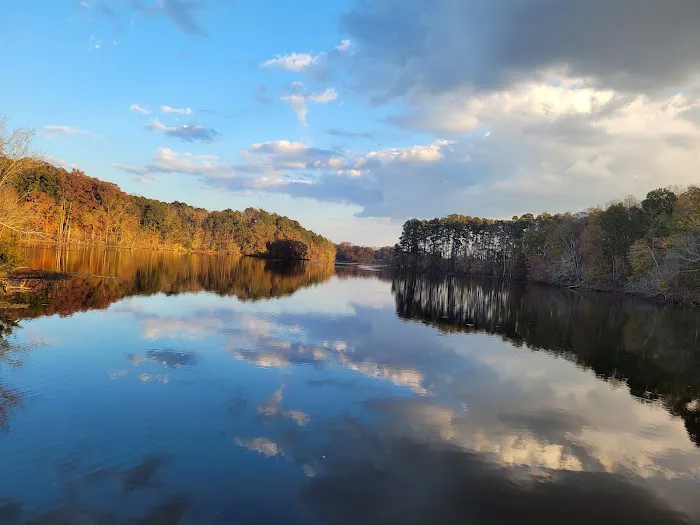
x=68 y=207
x=651 y=248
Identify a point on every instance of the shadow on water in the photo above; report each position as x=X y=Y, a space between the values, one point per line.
x=655 y=350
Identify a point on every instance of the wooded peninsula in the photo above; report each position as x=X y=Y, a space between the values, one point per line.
x=50 y=204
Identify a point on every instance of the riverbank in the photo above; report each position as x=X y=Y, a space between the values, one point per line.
x=73 y=246
x=625 y=291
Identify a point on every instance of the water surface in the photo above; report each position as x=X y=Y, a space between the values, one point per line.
x=166 y=389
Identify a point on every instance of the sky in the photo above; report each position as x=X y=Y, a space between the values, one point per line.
x=353 y=116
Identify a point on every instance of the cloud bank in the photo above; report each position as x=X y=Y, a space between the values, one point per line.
x=432 y=47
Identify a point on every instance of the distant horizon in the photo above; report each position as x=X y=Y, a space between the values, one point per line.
x=351 y=117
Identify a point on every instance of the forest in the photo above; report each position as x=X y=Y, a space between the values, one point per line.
x=650 y=248
x=68 y=207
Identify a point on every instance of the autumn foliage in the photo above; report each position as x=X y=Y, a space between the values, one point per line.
x=72 y=208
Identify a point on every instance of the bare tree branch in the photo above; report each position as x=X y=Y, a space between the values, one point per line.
x=15 y=151
x=15 y=157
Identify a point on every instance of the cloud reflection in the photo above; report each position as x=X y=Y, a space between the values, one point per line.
x=261 y=445
x=272 y=407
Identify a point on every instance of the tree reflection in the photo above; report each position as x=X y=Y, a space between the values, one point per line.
x=654 y=350
x=105 y=276
x=10 y=399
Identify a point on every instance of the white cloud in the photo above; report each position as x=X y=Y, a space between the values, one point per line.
x=181 y=111
x=343 y=46
x=336 y=163
x=275 y=158
x=328 y=95
x=298 y=100
x=141 y=109
x=284 y=147
x=419 y=154
x=352 y=172
x=299 y=62
x=292 y=62
x=174 y=162
x=547 y=98
x=52 y=131
x=168 y=161
x=298 y=105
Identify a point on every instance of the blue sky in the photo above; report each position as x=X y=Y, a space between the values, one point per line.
x=353 y=116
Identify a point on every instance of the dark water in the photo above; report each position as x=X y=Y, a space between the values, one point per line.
x=203 y=390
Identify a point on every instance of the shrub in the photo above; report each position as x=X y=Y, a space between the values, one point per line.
x=287 y=249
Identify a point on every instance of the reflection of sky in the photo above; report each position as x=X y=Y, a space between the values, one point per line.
x=251 y=399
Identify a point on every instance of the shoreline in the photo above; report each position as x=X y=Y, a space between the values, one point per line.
x=23 y=279
x=655 y=300
x=78 y=246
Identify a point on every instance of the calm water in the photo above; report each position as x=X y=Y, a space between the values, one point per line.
x=202 y=390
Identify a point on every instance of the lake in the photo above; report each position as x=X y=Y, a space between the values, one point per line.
x=157 y=388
